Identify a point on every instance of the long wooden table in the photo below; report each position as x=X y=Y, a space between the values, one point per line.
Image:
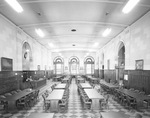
x=139 y=97
x=95 y=97
x=60 y=86
x=41 y=115
x=38 y=83
x=109 y=85
x=80 y=80
x=86 y=86
x=113 y=114
x=13 y=98
x=54 y=97
x=66 y=80
x=93 y=80
x=58 y=78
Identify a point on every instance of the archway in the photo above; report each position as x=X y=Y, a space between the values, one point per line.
x=26 y=56
x=74 y=65
x=120 y=63
x=58 y=66
x=89 y=65
x=102 y=73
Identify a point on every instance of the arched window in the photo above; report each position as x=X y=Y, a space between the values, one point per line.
x=74 y=65
x=26 y=56
x=58 y=66
x=89 y=65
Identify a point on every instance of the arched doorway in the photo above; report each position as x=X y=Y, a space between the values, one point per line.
x=102 y=66
x=89 y=65
x=121 y=63
x=27 y=56
x=74 y=66
x=58 y=66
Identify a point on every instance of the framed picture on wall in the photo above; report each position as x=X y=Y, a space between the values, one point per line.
x=6 y=64
x=139 y=64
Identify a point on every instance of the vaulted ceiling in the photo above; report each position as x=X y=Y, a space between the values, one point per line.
x=73 y=24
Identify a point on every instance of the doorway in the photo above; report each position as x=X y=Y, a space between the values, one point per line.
x=121 y=63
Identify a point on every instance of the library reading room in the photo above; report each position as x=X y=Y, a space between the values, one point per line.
x=74 y=59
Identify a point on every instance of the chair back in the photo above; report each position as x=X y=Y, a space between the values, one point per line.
x=13 y=92
x=18 y=90
x=7 y=94
x=138 y=116
x=2 y=96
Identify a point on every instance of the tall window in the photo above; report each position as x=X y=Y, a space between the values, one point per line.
x=26 y=56
x=58 y=66
x=74 y=65
x=89 y=66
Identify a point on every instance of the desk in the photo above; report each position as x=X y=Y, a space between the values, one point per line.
x=13 y=98
x=60 y=86
x=54 y=97
x=86 y=86
x=41 y=115
x=113 y=114
x=95 y=97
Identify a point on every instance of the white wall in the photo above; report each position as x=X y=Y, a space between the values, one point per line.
x=66 y=55
x=136 y=39
x=11 y=41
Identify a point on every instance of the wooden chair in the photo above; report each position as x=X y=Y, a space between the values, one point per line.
x=2 y=96
x=146 y=103
x=7 y=94
x=3 y=104
x=104 y=103
x=138 y=116
x=131 y=102
x=62 y=105
x=142 y=92
x=137 y=91
x=124 y=99
x=131 y=89
x=18 y=90
x=86 y=103
x=46 y=104
x=13 y=92
x=22 y=103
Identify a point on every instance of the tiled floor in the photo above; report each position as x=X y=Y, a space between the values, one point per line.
x=75 y=109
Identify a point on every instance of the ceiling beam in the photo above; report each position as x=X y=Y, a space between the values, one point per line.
x=73 y=49
x=51 y=24
x=60 y=36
